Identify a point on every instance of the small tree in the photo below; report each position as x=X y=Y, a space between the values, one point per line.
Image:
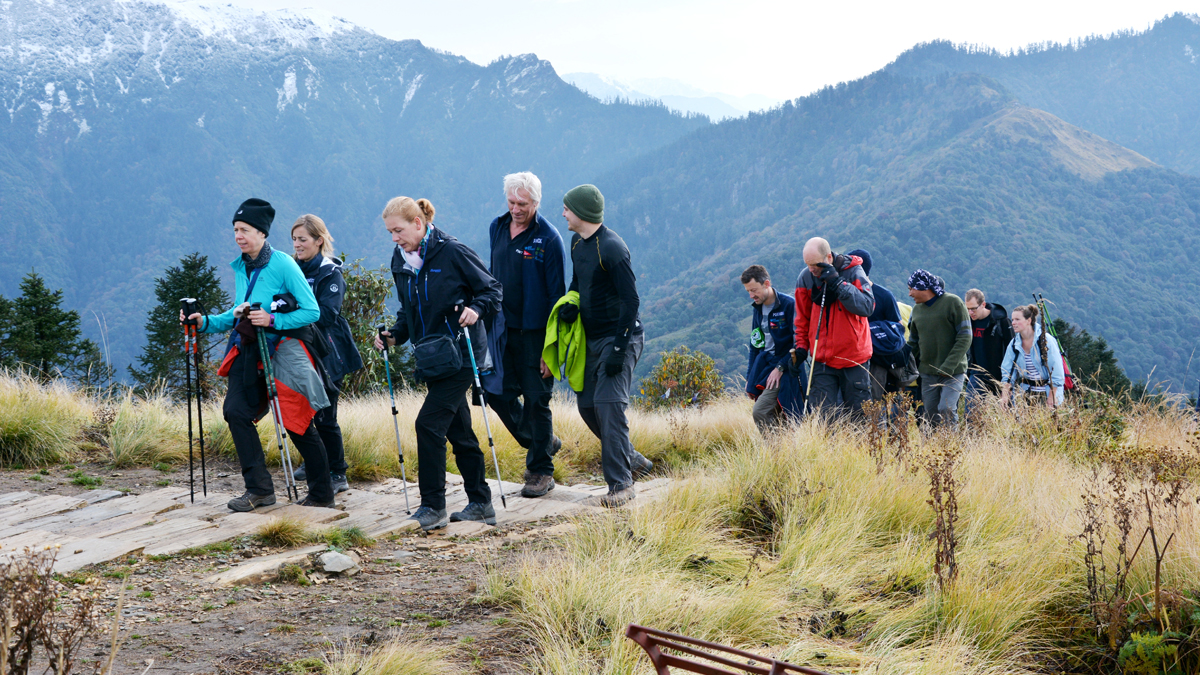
x=364 y=308
x=1092 y=360
x=38 y=335
x=161 y=361
x=682 y=379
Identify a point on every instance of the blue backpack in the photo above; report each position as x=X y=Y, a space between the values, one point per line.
x=887 y=343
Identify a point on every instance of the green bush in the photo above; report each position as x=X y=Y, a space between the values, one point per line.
x=39 y=423
x=682 y=379
x=1150 y=654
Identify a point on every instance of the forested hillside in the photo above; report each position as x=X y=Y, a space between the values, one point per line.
x=952 y=175
x=133 y=131
x=1138 y=89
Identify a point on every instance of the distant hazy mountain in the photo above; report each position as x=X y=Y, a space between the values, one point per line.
x=952 y=175
x=134 y=129
x=1138 y=89
x=674 y=94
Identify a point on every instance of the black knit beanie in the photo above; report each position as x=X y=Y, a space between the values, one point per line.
x=256 y=213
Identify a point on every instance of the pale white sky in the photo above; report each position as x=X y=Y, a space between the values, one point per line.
x=780 y=49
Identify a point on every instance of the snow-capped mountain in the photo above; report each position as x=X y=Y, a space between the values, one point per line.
x=131 y=129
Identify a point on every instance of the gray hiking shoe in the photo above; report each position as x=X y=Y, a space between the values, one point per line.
x=430 y=519
x=248 y=501
x=475 y=511
x=616 y=498
x=537 y=484
x=641 y=468
x=309 y=501
x=340 y=484
x=300 y=474
x=555 y=445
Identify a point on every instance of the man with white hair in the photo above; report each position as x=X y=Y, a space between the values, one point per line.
x=528 y=259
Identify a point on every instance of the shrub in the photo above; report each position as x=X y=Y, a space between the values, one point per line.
x=682 y=379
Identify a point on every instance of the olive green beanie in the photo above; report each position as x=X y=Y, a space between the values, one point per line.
x=586 y=202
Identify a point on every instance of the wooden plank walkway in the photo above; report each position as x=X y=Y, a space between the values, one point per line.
x=104 y=525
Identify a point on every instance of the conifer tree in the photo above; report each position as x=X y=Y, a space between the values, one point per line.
x=161 y=362
x=39 y=336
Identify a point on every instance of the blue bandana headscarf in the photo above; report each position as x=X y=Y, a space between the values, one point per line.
x=926 y=281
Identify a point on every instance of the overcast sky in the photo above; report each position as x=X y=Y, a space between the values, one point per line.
x=780 y=49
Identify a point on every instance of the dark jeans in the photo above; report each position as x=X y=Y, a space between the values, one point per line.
x=530 y=424
x=853 y=384
x=331 y=433
x=446 y=416
x=240 y=417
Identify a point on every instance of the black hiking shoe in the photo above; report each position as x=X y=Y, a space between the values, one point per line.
x=555 y=446
x=300 y=474
x=248 y=501
x=537 y=484
x=616 y=498
x=340 y=484
x=309 y=501
x=642 y=468
x=429 y=519
x=475 y=511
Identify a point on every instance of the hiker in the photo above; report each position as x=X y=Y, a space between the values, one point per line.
x=528 y=259
x=843 y=347
x=262 y=275
x=939 y=336
x=774 y=387
x=444 y=289
x=608 y=310
x=1033 y=360
x=313 y=246
x=991 y=331
x=889 y=351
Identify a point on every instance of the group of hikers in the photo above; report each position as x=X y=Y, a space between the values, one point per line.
x=865 y=345
x=513 y=325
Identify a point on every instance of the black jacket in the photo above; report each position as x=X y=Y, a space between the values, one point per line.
x=451 y=272
x=995 y=340
x=324 y=275
x=603 y=276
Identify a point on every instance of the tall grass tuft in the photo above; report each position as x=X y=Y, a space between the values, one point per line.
x=39 y=423
x=284 y=531
x=397 y=656
x=147 y=431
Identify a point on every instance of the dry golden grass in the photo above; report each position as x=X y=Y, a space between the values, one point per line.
x=284 y=531
x=397 y=656
x=39 y=424
x=147 y=431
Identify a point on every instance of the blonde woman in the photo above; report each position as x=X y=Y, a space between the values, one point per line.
x=313 y=248
x=444 y=289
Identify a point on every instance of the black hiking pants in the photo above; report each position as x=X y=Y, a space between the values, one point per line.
x=530 y=424
x=331 y=432
x=446 y=416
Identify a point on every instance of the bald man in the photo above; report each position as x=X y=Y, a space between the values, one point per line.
x=833 y=296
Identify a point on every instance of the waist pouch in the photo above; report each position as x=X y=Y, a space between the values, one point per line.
x=437 y=357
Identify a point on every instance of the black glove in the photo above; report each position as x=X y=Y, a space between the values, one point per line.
x=284 y=303
x=568 y=313
x=796 y=361
x=615 y=362
x=829 y=275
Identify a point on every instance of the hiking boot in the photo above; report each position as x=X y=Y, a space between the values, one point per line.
x=476 y=511
x=309 y=501
x=248 y=501
x=300 y=474
x=616 y=498
x=429 y=519
x=340 y=484
x=537 y=484
x=555 y=446
x=641 y=468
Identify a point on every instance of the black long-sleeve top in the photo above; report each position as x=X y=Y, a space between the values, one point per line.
x=603 y=276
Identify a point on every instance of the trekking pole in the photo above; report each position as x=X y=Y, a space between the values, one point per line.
x=483 y=401
x=1050 y=327
x=285 y=455
x=812 y=366
x=395 y=421
x=193 y=306
x=186 y=304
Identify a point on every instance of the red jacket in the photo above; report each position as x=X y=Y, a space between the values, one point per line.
x=845 y=338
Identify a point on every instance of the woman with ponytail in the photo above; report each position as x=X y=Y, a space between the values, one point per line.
x=1033 y=361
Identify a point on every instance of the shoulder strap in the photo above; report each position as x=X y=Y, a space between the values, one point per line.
x=253 y=280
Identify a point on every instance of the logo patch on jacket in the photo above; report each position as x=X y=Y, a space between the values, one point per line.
x=333 y=288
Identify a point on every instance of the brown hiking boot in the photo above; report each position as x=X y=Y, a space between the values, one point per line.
x=617 y=498
x=537 y=484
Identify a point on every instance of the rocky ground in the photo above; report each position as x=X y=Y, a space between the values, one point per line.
x=423 y=587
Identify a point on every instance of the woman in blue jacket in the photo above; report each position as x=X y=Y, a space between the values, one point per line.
x=261 y=274
x=313 y=246
x=1033 y=360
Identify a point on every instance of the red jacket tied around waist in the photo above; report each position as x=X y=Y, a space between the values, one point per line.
x=845 y=338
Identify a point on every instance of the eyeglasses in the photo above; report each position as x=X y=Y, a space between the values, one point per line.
x=976 y=308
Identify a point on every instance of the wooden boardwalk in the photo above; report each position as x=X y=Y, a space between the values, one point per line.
x=103 y=525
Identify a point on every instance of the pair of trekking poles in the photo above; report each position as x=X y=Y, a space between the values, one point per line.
x=482 y=399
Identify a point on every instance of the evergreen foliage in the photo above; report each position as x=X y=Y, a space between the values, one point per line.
x=365 y=308
x=161 y=361
x=39 y=336
x=1092 y=361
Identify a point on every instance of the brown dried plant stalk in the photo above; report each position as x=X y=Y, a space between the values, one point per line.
x=940 y=465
